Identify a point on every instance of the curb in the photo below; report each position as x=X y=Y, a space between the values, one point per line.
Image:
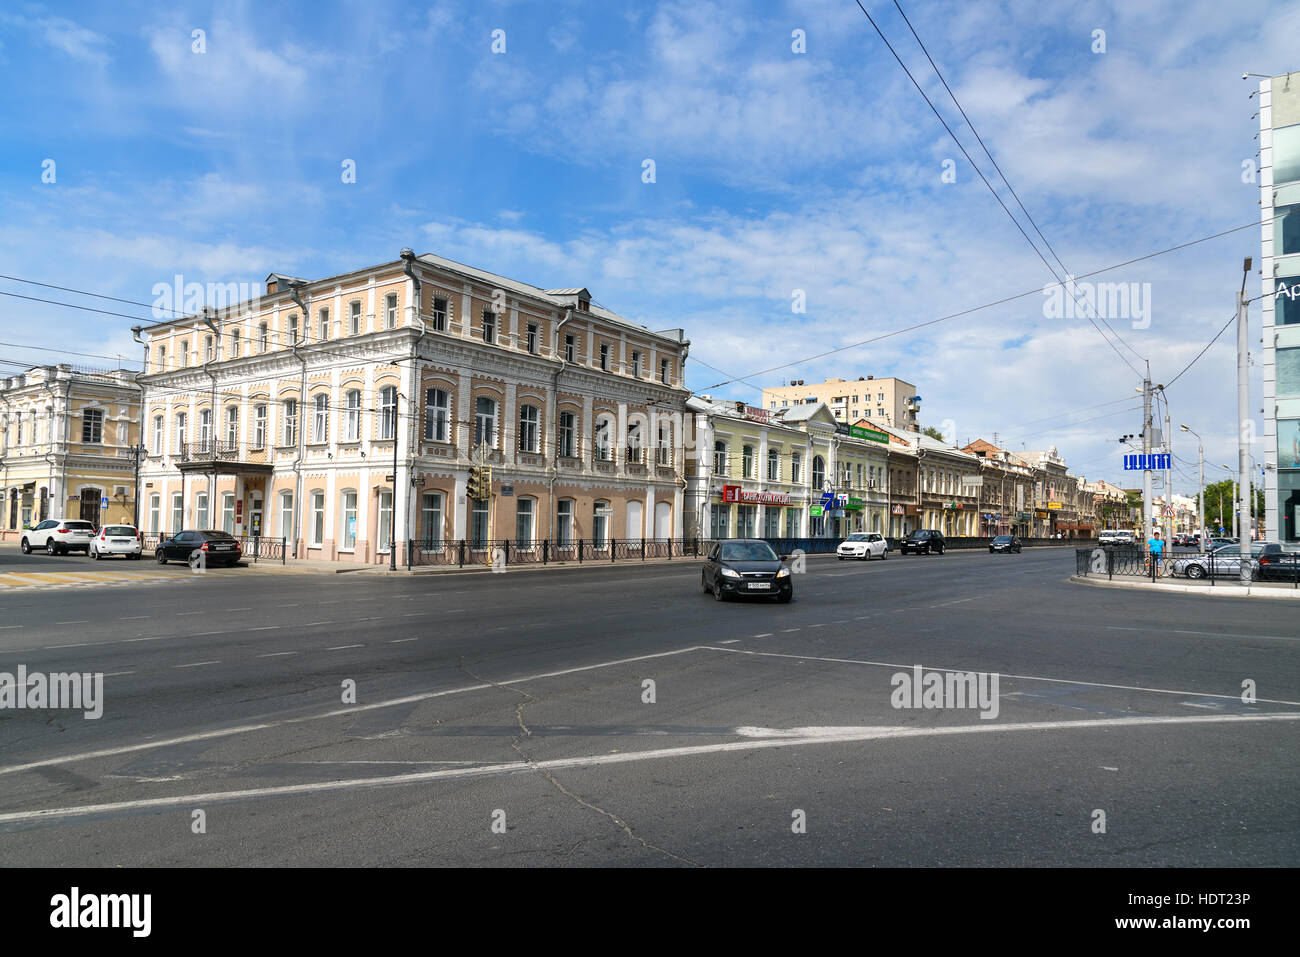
x=1223 y=591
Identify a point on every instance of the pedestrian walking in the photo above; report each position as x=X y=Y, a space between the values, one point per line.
x=1156 y=547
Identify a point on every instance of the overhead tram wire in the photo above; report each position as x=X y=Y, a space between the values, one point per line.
x=997 y=302
x=985 y=181
x=1002 y=175
x=96 y=295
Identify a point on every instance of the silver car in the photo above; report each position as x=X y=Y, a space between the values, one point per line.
x=1222 y=562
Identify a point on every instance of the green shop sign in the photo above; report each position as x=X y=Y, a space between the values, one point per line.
x=815 y=510
x=852 y=504
x=871 y=435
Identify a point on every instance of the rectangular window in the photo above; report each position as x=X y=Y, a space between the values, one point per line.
x=524 y=520
x=636 y=364
x=440 y=315
x=263 y=337
x=478 y=529
x=489 y=326
x=1288 y=373
x=323 y=325
x=437 y=410
x=201 y=510
x=663 y=374
x=234 y=343
x=1286 y=155
x=162 y=358
x=259 y=427
x=92 y=426
x=293 y=330
x=485 y=422
x=566 y=435
x=719 y=520
x=528 y=424
x=348 y=538
x=530 y=340
x=228 y=512
x=600 y=524
x=390 y=311
x=352 y=417
x=564 y=522
x=157 y=433
x=178 y=514
x=180 y=432
x=208 y=353
x=431 y=519
x=570 y=350
x=286 y=515
x=604 y=357
x=232 y=425
x=320 y=420
x=317 y=518
x=388 y=412
x=1286 y=230
x=1286 y=301
x=771 y=522
x=185 y=352
x=354 y=318
x=205 y=427
x=155 y=513
x=290 y=431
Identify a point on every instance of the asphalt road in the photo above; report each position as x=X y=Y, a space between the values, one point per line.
x=520 y=700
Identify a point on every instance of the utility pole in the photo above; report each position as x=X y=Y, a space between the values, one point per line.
x=1243 y=415
x=1169 y=475
x=1146 y=455
x=1200 y=494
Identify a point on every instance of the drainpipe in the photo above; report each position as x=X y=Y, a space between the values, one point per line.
x=208 y=312
x=555 y=391
x=295 y=289
x=408 y=267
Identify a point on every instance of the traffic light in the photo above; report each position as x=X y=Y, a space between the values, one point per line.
x=479 y=486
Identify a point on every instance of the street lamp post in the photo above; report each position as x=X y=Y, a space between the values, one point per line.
x=1234 y=499
x=1200 y=466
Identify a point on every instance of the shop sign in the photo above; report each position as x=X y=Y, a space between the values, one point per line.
x=1054 y=506
x=734 y=493
x=815 y=511
x=871 y=435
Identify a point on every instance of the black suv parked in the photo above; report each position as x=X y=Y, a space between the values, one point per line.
x=922 y=541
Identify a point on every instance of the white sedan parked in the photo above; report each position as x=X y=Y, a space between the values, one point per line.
x=863 y=545
x=116 y=540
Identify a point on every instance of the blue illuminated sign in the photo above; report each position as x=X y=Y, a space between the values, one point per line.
x=1140 y=462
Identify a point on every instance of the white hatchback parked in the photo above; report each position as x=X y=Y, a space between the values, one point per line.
x=58 y=537
x=864 y=545
x=117 y=540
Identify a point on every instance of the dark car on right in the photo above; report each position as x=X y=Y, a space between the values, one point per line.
x=924 y=541
x=211 y=546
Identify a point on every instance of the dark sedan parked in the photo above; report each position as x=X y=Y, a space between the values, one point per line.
x=1005 y=543
x=746 y=566
x=210 y=546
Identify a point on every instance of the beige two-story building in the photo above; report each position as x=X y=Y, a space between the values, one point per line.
x=67 y=447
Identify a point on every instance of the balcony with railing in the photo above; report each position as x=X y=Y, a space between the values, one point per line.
x=222 y=455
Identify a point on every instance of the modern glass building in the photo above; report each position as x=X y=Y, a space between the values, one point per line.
x=1279 y=117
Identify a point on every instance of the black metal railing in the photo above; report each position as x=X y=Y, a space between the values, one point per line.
x=208 y=450
x=1134 y=562
x=260 y=547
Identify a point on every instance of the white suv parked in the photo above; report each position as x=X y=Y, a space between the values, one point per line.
x=117 y=540
x=59 y=536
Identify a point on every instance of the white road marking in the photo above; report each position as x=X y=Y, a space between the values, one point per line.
x=263 y=628
x=786 y=631
x=278 y=654
x=6 y=627
x=249 y=609
x=398 y=641
x=759 y=739
x=343 y=647
x=197 y=664
x=335 y=713
x=766 y=634
x=79 y=621
x=127 y=641
x=116 y=674
x=135 y=617
x=729 y=641
x=1160 y=630
x=79 y=645
x=1062 y=681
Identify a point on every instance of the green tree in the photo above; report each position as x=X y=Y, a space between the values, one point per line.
x=1219 y=504
x=933 y=433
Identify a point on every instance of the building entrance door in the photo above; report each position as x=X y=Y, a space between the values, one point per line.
x=90 y=506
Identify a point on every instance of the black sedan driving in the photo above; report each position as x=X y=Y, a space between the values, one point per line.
x=1005 y=543
x=746 y=567
x=211 y=546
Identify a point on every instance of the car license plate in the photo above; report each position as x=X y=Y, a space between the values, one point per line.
x=121 y=541
x=760 y=585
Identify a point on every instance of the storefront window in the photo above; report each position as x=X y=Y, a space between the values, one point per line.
x=385 y=521
x=719 y=521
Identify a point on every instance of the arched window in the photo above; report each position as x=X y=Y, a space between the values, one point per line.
x=773 y=466
x=747 y=461
x=437 y=411
x=317 y=519
x=564 y=521
x=566 y=435
x=324 y=324
x=352 y=416
x=602 y=439
x=485 y=421
x=431 y=519
x=720 y=458
x=600 y=512
x=818 y=472
x=796 y=467
x=348 y=520
x=320 y=419
x=525 y=520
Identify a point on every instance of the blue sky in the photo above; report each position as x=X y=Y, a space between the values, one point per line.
x=775 y=171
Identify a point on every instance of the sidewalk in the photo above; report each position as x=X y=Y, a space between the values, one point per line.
x=1253 y=590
